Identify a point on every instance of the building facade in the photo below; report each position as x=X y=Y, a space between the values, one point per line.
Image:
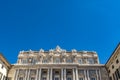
x=57 y=64
x=113 y=64
x=4 y=67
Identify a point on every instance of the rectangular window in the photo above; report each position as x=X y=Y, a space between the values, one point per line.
x=92 y=78
x=80 y=78
x=21 y=78
x=81 y=71
x=24 y=61
x=32 y=78
x=90 y=60
x=69 y=60
x=57 y=60
x=69 y=78
x=32 y=71
x=92 y=71
x=44 y=78
x=44 y=61
x=80 y=61
x=56 y=78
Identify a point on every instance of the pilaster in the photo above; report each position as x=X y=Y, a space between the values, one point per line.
x=62 y=74
x=48 y=74
x=85 y=74
x=37 y=75
x=39 y=78
x=28 y=74
x=51 y=74
x=73 y=70
x=88 y=75
x=76 y=73
x=16 y=74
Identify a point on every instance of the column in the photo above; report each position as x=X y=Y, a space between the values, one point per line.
x=28 y=74
x=16 y=77
x=48 y=74
x=62 y=74
x=76 y=74
x=97 y=74
x=36 y=75
x=51 y=74
x=73 y=74
x=15 y=74
x=39 y=74
x=85 y=74
x=88 y=75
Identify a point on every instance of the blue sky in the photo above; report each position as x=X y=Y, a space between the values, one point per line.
x=81 y=24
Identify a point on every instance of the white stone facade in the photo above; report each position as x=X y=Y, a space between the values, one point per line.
x=57 y=64
x=113 y=65
x=59 y=56
x=4 y=67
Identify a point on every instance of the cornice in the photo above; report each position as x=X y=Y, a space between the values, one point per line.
x=113 y=54
x=58 y=65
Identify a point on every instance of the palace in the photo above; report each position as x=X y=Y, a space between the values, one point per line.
x=113 y=64
x=57 y=64
x=4 y=67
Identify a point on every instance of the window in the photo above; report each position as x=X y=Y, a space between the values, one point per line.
x=117 y=61
x=112 y=66
x=2 y=66
x=45 y=61
x=21 y=71
x=44 y=78
x=91 y=61
x=81 y=71
x=32 y=78
x=69 y=72
x=69 y=78
x=69 y=60
x=80 y=61
x=92 y=79
x=56 y=78
x=108 y=71
x=44 y=72
x=92 y=71
x=80 y=78
x=57 y=60
x=34 y=61
x=24 y=61
x=32 y=71
x=21 y=78
x=56 y=72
